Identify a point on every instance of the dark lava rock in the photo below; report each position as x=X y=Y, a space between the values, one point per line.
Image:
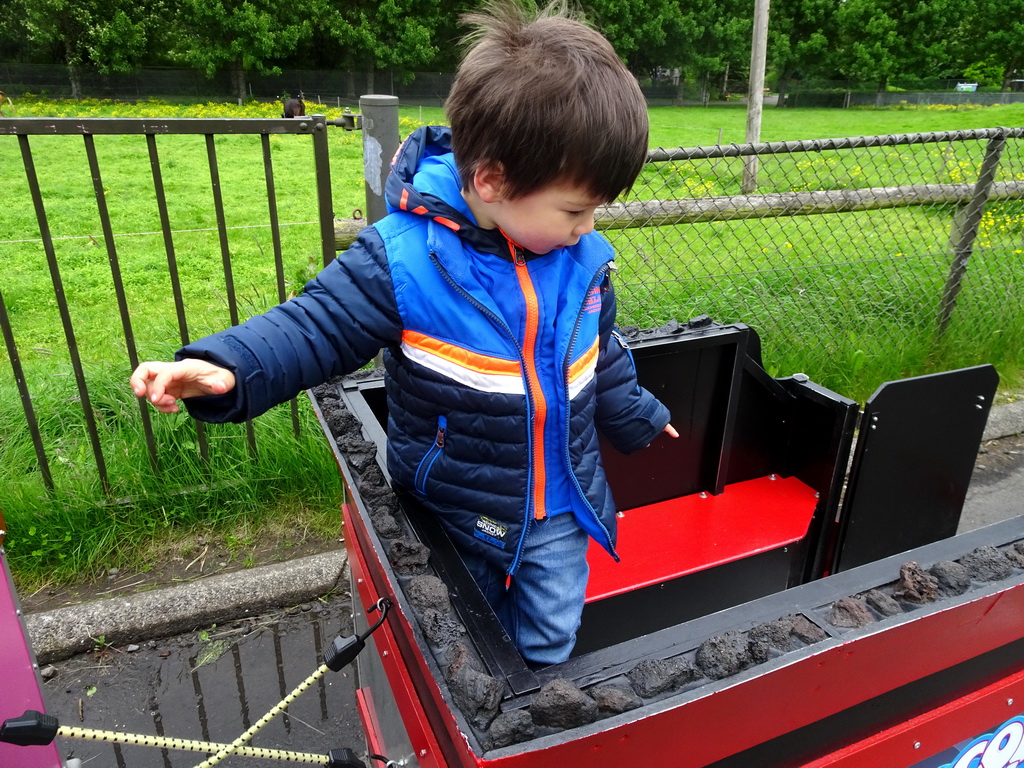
x=428 y=592
x=806 y=630
x=882 y=603
x=371 y=478
x=765 y=637
x=359 y=453
x=408 y=557
x=953 y=578
x=724 y=655
x=1015 y=554
x=614 y=699
x=915 y=584
x=510 y=728
x=560 y=704
x=987 y=564
x=385 y=524
x=475 y=693
x=653 y=676
x=441 y=629
x=339 y=419
x=850 y=612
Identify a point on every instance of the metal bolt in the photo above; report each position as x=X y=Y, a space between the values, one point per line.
x=423 y=753
x=703 y=494
x=772 y=476
x=384 y=653
x=1009 y=702
x=917 y=745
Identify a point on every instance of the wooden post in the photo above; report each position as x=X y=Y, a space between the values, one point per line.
x=965 y=229
x=755 y=93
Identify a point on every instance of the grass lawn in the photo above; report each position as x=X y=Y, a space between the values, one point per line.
x=757 y=271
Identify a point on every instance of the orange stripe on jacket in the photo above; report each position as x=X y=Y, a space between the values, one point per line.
x=581 y=365
x=461 y=356
x=540 y=406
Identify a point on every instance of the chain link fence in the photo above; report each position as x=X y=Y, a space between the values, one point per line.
x=857 y=260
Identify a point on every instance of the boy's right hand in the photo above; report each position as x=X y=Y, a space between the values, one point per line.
x=163 y=384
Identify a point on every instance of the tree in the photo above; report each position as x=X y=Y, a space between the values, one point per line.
x=992 y=35
x=799 y=32
x=721 y=32
x=881 y=39
x=239 y=35
x=399 y=35
x=646 y=34
x=113 y=35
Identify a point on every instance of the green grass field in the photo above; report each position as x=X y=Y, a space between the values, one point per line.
x=851 y=321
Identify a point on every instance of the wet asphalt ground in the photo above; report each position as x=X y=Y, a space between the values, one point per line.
x=211 y=685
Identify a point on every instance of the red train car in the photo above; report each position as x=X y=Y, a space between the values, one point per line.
x=791 y=591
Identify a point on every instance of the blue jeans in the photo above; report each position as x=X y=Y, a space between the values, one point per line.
x=541 y=608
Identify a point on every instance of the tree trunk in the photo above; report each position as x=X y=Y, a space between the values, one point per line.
x=238 y=81
x=677 y=99
x=75 y=77
x=782 y=87
x=369 y=78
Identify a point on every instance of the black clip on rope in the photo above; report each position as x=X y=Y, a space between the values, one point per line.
x=343 y=650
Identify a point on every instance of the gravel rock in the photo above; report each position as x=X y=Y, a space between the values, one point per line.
x=724 y=655
x=653 y=676
x=953 y=578
x=614 y=699
x=560 y=704
x=806 y=630
x=850 y=612
x=882 y=603
x=987 y=564
x=510 y=728
x=763 y=638
x=408 y=557
x=916 y=585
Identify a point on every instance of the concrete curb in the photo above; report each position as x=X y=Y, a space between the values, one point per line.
x=63 y=632
x=1004 y=420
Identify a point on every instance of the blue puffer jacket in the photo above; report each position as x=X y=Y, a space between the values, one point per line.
x=501 y=364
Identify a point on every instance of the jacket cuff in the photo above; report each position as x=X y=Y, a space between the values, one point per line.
x=651 y=421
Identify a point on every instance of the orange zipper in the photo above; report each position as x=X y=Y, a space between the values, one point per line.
x=540 y=405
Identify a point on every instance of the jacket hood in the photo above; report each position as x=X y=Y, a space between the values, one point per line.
x=425 y=181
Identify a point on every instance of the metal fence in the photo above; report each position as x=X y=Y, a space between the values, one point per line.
x=858 y=260
x=181 y=205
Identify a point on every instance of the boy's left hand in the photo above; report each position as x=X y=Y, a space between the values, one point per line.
x=670 y=431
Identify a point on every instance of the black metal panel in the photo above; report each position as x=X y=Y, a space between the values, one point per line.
x=624 y=617
x=913 y=462
x=696 y=377
x=822 y=427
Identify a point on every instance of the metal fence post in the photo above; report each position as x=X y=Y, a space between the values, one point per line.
x=965 y=228
x=380 y=142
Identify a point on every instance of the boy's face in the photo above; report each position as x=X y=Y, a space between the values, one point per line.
x=552 y=217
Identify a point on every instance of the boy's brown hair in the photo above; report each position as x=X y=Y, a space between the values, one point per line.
x=547 y=98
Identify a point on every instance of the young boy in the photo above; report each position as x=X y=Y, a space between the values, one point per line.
x=489 y=293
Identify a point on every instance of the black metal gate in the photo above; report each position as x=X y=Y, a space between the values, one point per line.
x=155 y=132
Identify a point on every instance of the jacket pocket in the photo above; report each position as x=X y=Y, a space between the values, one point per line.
x=427 y=462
